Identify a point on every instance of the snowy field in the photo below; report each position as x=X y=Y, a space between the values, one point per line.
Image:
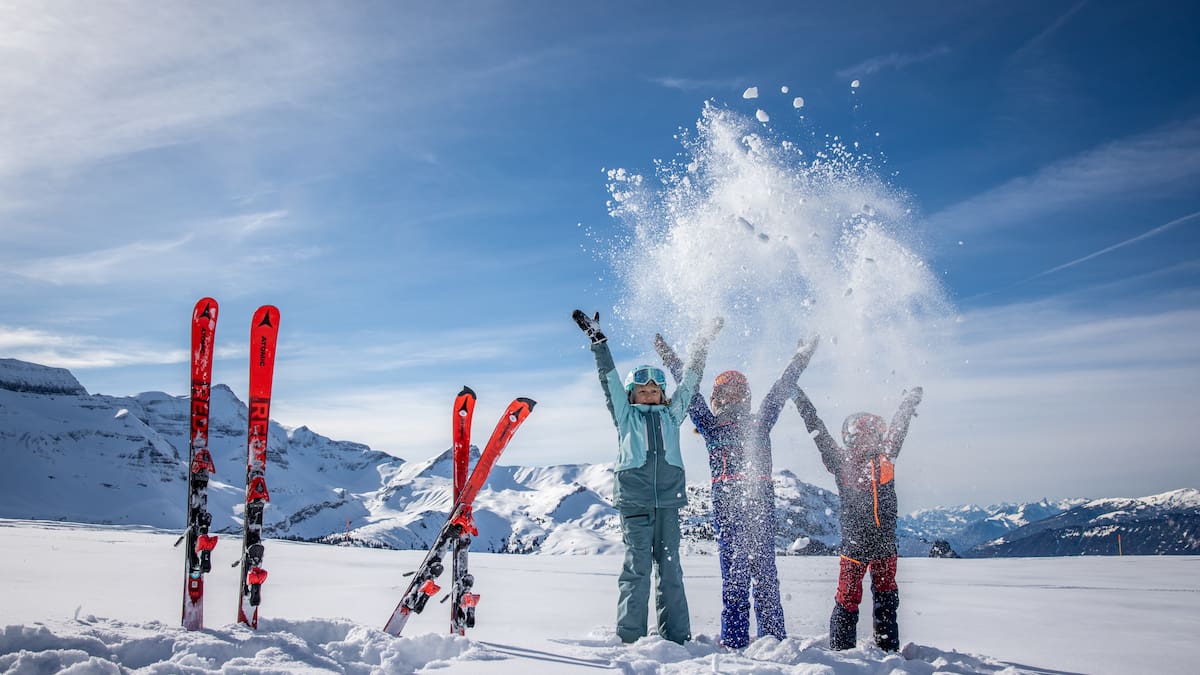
x=93 y=599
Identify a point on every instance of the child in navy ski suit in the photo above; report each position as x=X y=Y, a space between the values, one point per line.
x=649 y=485
x=867 y=491
x=743 y=492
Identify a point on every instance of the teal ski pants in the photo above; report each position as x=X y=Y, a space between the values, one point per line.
x=652 y=540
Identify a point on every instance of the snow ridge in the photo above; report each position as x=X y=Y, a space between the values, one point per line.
x=32 y=378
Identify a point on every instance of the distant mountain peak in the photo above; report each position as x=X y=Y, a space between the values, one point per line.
x=32 y=378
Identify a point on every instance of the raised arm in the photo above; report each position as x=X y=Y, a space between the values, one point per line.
x=605 y=367
x=670 y=359
x=698 y=408
x=772 y=403
x=694 y=370
x=816 y=429
x=899 y=427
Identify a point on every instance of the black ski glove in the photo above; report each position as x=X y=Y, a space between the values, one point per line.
x=590 y=326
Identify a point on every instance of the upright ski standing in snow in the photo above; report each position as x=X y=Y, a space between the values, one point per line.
x=198 y=560
x=462 y=609
x=263 y=332
x=423 y=585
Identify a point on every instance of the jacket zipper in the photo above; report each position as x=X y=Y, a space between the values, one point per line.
x=658 y=424
x=875 y=491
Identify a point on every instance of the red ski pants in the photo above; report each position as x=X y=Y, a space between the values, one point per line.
x=850 y=577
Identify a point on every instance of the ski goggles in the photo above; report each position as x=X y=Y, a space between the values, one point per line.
x=646 y=375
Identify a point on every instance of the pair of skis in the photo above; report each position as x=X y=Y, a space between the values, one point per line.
x=455 y=535
x=264 y=329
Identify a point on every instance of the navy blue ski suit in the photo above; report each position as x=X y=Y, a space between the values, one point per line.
x=743 y=495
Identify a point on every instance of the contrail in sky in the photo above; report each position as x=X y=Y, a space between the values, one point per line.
x=1145 y=235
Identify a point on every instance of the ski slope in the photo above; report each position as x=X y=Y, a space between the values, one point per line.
x=90 y=599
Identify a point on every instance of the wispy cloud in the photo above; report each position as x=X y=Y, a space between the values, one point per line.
x=126 y=80
x=250 y=224
x=693 y=84
x=76 y=351
x=893 y=61
x=161 y=258
x=109 y=80
x=1054 y=336
x=1164 y=161
x=105 y=266
x=1038 y=40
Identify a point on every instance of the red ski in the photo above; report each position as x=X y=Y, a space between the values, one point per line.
x=424 y=585
x=462 y=609
x=198 y=560
x=464 y=411
x=264 y=330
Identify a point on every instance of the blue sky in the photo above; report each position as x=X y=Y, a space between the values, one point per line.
x=422 y=192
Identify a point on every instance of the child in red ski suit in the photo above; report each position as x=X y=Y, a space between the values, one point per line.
x=867 y=491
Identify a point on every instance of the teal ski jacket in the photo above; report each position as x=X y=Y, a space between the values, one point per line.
x=649 y=469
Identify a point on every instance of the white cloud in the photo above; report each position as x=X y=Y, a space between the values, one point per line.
x=892 y=61
x=104 y=80
x=1049 y=337
x=212 y=242
x=104 y=266
x=693 y=84
x=1164 y=161
x=78 y=351
x=101 y=80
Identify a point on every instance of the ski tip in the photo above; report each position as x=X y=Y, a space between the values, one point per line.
x=267 y=315
x=527 y=401
x=205 y=307
x=467 y=391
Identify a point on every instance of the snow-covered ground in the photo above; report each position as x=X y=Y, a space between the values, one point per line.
x=96 y=599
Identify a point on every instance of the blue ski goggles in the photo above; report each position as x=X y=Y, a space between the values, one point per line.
x=646 y=375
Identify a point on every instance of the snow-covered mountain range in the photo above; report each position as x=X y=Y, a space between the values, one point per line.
x=968 y=526
x=73 y=456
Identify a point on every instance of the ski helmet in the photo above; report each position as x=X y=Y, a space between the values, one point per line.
x=646 y=375
x=863 y=431
x=731 y=385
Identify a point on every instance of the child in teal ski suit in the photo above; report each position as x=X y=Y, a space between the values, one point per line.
x=649 y=486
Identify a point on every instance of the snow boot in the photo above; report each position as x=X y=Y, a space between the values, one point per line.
x=843 y=628
x=887 y=632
